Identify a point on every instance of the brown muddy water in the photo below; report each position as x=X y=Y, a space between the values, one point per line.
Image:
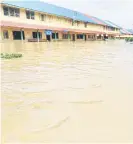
x=67 y=92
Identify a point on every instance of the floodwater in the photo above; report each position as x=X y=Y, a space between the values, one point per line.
x=67 y=92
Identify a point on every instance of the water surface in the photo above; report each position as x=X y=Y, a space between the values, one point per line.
x=68 y=92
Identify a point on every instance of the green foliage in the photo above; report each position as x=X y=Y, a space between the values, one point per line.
x=10 y=56
x=129 y=39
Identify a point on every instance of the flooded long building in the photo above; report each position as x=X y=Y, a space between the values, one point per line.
x=63 y=92
x=46 y=22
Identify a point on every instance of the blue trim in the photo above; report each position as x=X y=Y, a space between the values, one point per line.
x=48 y=32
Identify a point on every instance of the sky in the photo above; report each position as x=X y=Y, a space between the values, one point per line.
x=118 y=11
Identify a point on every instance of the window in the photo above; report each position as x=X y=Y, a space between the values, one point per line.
x=59 y=19
x=79 y=36
x=30 y=15
x=41 y=17
x=55 y=36
x=50 y=18
x=78 y=23
x=6 y=12
x=85 y=24
x=89 y=36
x=17 y=13
x=34 y=34
x=111 y=28
x=65 y=36
x=72 y=22
x=27 y=14
x=5 y=34
x=9 y=11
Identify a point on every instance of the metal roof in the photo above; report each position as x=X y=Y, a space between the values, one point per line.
x=98 y=21
x=131 y=31
x=124 y=31
x=102 y=22
x=37 y=5
x=113 y=24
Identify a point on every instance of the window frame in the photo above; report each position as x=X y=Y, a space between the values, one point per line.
x=85 y=24
x=42 y=17
x=80 y=36
x=11 y=11
x=30 y=14
x=78 y=23
x=4 y=7
x=73 y=22
x=65 y=36
x=54 y=34
x=34 y=35
x=5 y=34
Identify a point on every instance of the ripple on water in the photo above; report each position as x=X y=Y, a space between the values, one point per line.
x=67 y=91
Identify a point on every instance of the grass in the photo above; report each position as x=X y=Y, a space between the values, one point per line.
x=10 y=56
x=129 y=39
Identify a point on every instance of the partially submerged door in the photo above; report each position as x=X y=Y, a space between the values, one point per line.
x=48 y=34
x=85 y=38
x=73 y=37
x=48 y=38
x=17 y=35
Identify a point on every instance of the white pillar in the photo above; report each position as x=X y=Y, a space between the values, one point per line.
x=69 y=36
x=97 y=36
x=101 y=36
x=37 y=35
x=55 y=36
x=83 y=36
x=21 y=34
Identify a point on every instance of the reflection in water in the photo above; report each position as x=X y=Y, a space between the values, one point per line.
x=68 y=92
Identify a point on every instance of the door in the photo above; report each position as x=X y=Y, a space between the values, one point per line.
x=17 y=35
x=73 y=37
x=48 y=37
x=34 y=34
x=85 y=38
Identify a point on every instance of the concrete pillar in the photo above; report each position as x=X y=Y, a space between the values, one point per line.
x=22 y=34
x=38 y=36
x=55 y=36
x=84 y=37
x=74 y=37
x=101 y=36
x=69 y=36
x=92 y=37
x=96 y=36
x=0 y=35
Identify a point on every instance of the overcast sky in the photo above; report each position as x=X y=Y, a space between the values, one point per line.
x=117 y=11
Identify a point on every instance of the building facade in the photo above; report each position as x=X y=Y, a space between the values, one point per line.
x=45 y=22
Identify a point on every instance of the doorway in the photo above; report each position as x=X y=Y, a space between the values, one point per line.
x=73 y=37
x=85 y=38
x=17 y=35
x=34 y=35
x=48 y=37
